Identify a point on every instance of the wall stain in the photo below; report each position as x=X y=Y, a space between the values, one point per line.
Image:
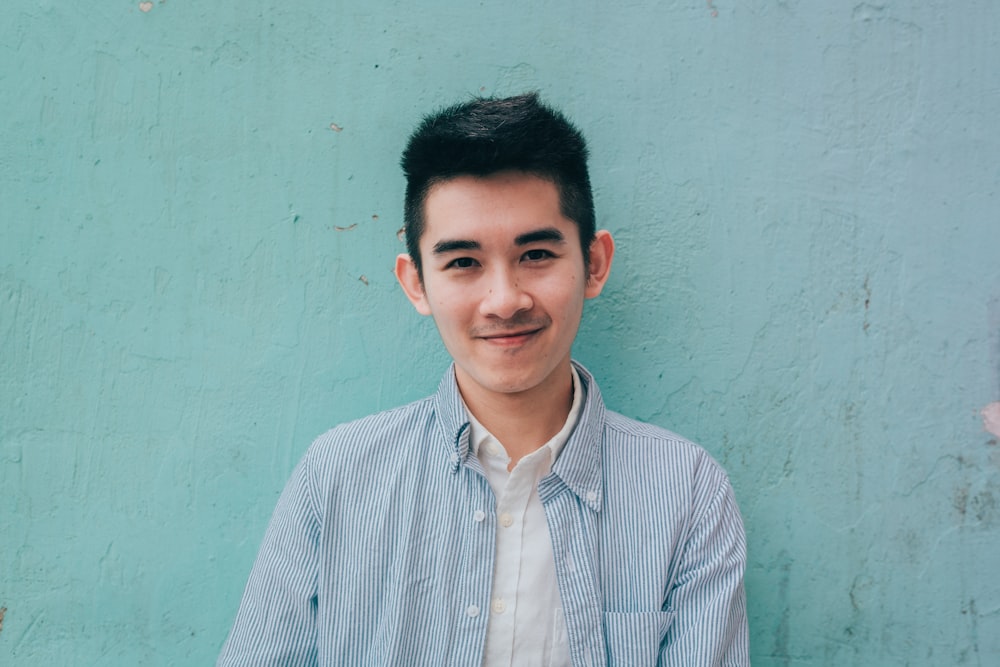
x=984 y=507
x=782 y=632
x=973 y=650
x=3 y=610
x=868 y=303
x=961 y=499
x=991 y=418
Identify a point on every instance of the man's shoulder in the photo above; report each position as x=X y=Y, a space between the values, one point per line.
x=633 y=428
x=624 y=431
x=630 y=441
x=394 y=426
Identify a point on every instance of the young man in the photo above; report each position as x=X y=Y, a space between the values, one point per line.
x=510 y=518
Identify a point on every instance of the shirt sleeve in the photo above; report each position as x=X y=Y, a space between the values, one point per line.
x=708 y=599
x=276 y=621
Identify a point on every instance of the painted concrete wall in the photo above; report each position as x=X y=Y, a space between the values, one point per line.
x=200 y=205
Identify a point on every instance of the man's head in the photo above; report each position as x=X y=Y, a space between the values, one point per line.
x=502 y=246
x=488 y=136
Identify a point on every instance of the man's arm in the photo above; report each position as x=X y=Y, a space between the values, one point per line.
x=710 y=626
x=276 y=622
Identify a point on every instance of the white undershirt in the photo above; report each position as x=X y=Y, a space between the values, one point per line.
x=526 y=625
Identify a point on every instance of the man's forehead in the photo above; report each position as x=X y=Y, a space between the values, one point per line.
x=491 y=195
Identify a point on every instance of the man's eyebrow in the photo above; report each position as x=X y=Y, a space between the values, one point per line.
x=451 y=245
x=546 y=234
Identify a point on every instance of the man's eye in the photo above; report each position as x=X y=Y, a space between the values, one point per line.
x=462 y=263
x=537 y=255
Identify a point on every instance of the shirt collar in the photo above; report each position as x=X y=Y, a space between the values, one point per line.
x=479 y=434
x=578 y=465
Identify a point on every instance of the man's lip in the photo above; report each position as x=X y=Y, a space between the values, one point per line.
x=510 y=334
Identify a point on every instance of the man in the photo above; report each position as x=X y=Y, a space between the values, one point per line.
x=509 y=519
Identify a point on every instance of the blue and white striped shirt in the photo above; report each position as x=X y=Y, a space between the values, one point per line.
x=381 y=549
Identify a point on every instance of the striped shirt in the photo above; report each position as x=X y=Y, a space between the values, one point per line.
x=381 y=549
x=527 y=625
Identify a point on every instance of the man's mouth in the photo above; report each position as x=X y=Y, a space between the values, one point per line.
x=514 y=337
x=511 y=333
x=504 y=335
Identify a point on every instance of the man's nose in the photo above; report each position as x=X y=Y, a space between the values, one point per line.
x=504 y=296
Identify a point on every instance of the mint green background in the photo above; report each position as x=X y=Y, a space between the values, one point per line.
x=805 y=198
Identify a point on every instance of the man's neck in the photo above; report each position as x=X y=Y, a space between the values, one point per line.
x=523 y=421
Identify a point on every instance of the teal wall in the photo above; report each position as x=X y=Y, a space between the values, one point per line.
x=195 y=281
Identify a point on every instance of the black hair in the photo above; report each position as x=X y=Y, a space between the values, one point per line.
x=489 y=135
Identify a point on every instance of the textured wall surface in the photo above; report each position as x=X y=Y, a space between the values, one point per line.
x=200 y=204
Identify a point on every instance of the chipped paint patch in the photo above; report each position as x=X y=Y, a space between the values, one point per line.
x=3 y=610
x=145 y=6
x=336 y=128
x=345 y=229
x=991 y=418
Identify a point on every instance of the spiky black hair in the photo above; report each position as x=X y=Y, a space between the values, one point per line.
x=489 y=135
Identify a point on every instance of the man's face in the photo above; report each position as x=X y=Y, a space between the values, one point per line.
x=504 y=279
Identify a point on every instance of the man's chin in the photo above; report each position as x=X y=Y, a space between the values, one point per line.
x=503 y=379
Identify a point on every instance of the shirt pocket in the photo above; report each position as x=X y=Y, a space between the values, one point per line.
x=634 y=637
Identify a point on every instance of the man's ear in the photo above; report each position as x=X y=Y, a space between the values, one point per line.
x=602 y=250
x=409 y=280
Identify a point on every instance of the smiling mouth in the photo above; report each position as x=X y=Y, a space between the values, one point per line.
x=516 y=331
x=510 y=337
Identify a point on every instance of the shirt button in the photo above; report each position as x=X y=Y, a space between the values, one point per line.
x=453 y=458
x=472 y=611
x=478 y=515
x=492 y=449
x=506 y=520
x=499 y=606
x=592 y=496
